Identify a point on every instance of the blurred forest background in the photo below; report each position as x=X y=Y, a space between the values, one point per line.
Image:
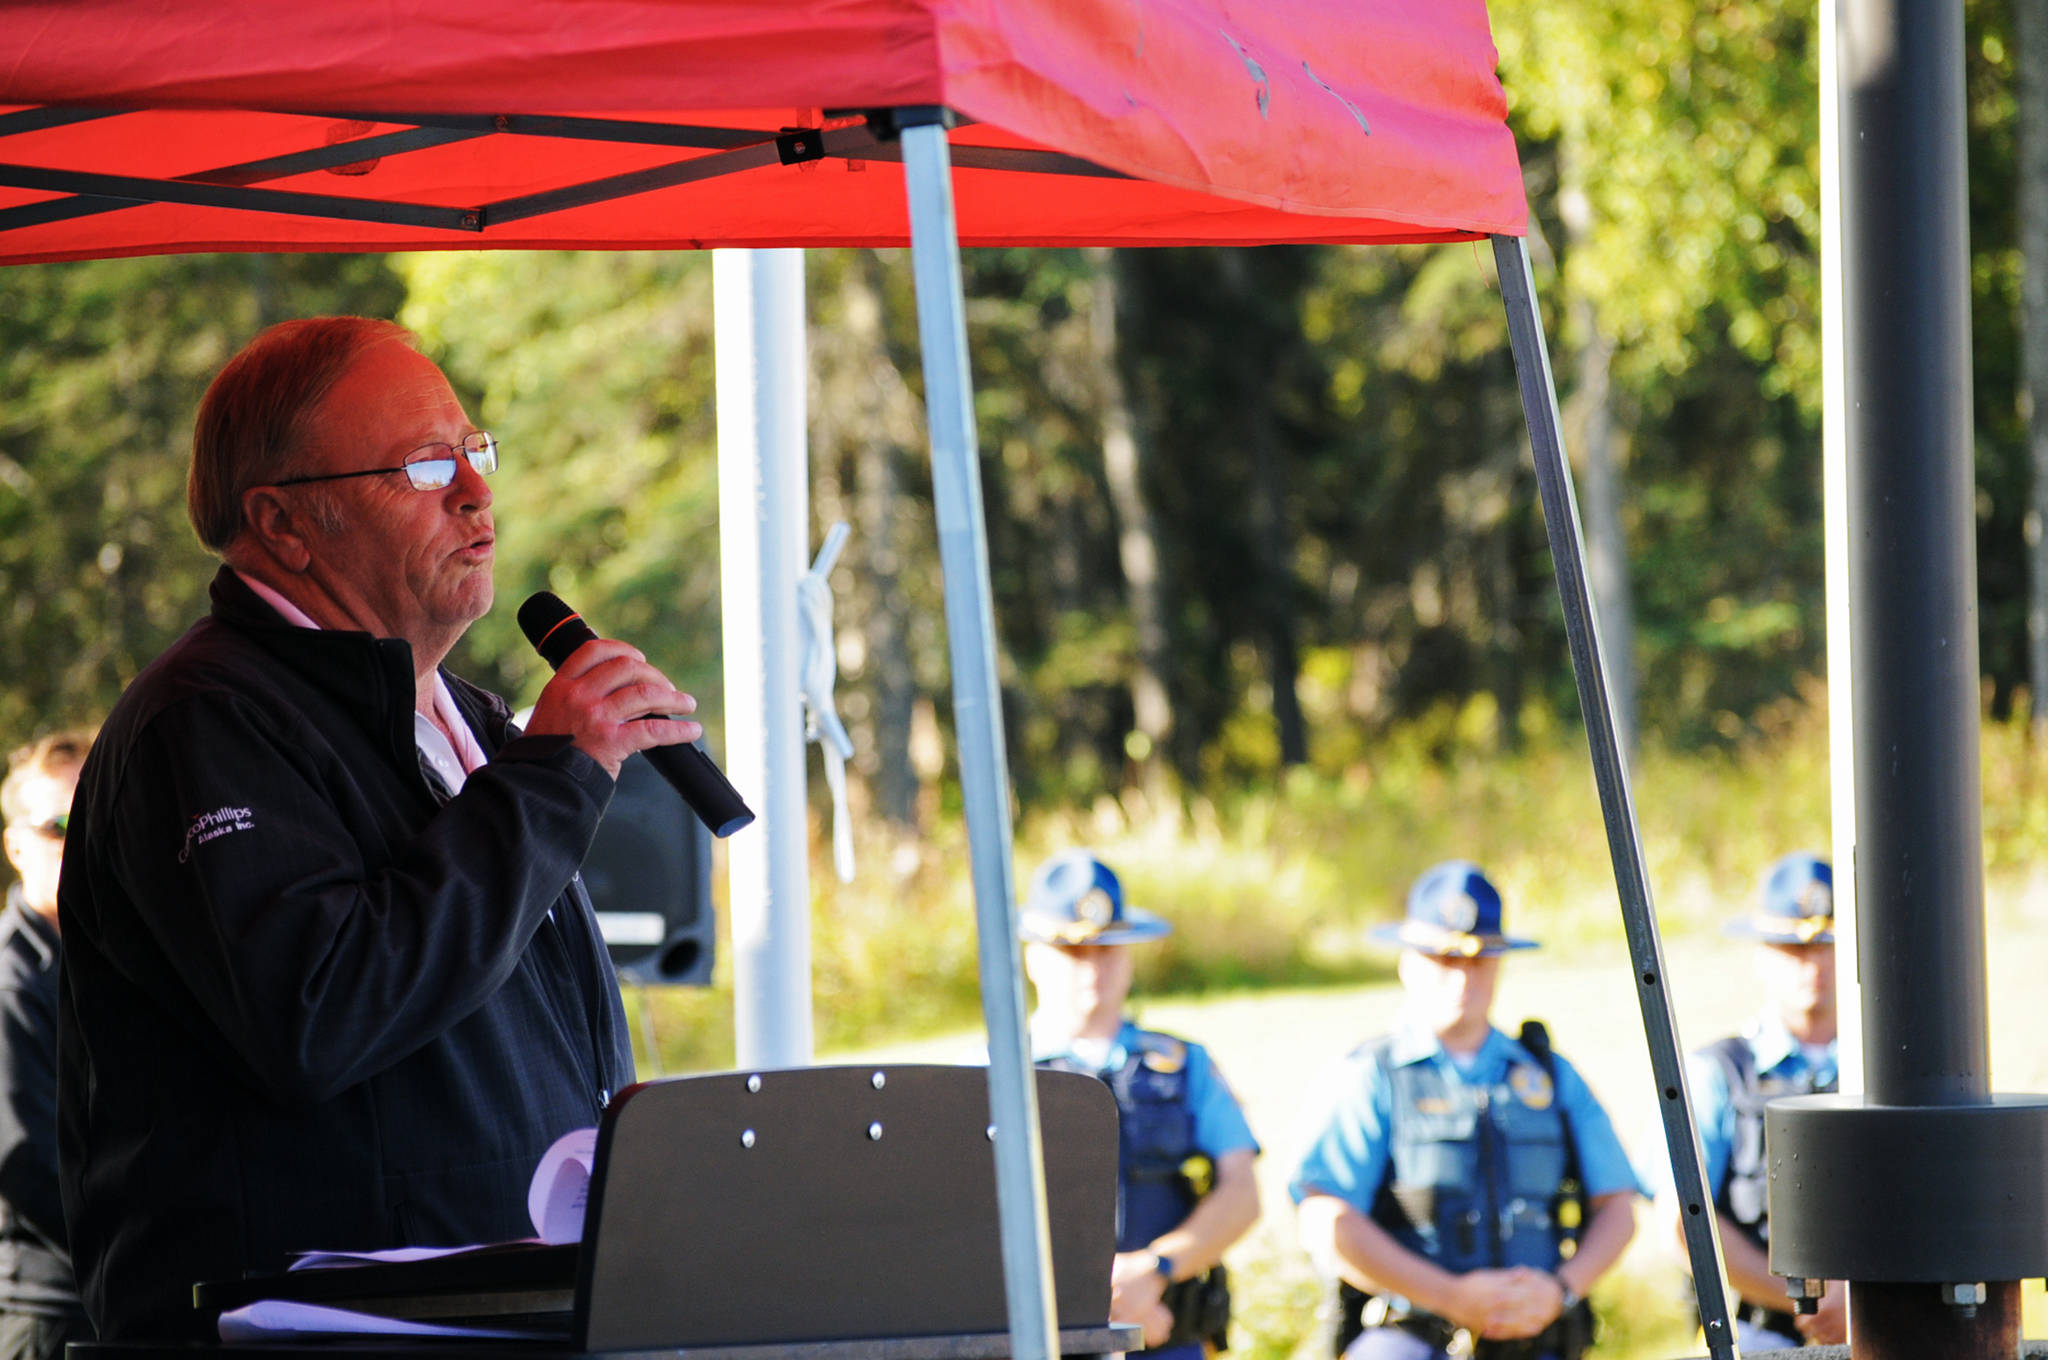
x=1267 y=557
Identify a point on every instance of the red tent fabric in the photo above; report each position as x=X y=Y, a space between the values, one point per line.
x=479 y=121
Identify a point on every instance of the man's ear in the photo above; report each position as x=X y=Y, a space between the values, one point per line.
x=275 y=528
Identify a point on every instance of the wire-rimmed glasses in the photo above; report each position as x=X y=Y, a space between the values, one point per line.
x=430 y=467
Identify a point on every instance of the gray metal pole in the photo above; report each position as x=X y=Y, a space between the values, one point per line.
x=1912 y=499
x=1610 y=773
x=978 y=729
x=1913 y=617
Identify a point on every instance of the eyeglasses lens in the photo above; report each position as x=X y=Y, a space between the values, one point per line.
x=56 y=826
x=432 y=473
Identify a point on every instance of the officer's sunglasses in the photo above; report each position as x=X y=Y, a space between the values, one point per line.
x=430 y=467
x=54 y=828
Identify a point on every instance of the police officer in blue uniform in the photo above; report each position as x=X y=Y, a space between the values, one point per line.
x=1468 y=1184
x=1186 y=1190
x=1787 y=1050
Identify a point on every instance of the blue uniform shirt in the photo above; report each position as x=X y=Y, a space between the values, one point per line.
x=1779 y=1057
x=1350 y=1150
x=1220 y=1125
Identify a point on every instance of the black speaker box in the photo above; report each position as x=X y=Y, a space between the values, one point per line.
x=649 y=876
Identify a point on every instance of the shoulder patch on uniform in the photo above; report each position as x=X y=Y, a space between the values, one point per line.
x=1532 y=1086
x=1162 y=1052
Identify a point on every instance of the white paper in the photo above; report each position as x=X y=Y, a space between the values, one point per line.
x=560 y=1190
x=555 y=1200
x=269 y=1318
x=328 y=1260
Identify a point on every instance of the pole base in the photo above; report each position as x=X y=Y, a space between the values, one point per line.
x=1946 y=1195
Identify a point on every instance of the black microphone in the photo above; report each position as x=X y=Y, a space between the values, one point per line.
x=556 y=630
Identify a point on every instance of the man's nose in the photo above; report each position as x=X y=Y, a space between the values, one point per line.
x=470 y=490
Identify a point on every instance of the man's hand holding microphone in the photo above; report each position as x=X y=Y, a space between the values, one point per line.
x=612 y=703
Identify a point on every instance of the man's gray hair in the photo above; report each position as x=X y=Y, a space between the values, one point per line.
x=256 y=419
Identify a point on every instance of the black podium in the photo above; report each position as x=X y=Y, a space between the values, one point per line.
x=826 y=1213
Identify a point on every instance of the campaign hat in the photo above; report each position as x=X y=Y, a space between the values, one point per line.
x=1075 y=898
x=1796 y=904
x=1453 y=912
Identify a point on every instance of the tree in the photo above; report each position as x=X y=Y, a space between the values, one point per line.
x=102 y=365
x=595 y=371
x=2030 y=34
x=1684 y=138
x=1137 y=535
x=867 y=430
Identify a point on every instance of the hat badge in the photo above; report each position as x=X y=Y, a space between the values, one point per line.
x=1461 y=913
x=1095 y=908
x=1817 y=899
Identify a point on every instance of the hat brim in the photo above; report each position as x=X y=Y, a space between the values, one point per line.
x=1137 y=926
x=1448 y=944
x=1783 y=929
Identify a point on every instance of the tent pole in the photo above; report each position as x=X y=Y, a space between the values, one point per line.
x=763 y=536
x=1610 y=773
x=978 y=730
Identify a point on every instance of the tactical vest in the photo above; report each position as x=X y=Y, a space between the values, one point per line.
x=1156 y=1133
x=1474 y=1173
x=1744 y=1194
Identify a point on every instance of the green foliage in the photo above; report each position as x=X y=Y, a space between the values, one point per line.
x=1331 y=446
x=1280 y=887
x=1701 y=230
x=101 y=368
x=595 y=371
x=1643 y=1314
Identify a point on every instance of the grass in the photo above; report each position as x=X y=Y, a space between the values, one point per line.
x=1272 y=893
x=1277 y=887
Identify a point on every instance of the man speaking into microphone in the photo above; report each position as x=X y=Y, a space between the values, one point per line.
x=331 y=980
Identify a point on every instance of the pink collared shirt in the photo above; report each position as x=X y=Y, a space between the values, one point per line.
x=451 y=761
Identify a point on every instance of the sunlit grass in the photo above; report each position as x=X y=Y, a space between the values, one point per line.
x=1278 y=887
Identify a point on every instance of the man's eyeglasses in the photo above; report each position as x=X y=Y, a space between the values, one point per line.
x=430 y=467
x=54 y=828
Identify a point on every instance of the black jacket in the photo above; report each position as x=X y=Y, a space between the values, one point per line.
x=35 y=1271
x=306 y=1003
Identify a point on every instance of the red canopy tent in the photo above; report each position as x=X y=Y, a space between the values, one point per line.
x=663 y=123
x=131 y=127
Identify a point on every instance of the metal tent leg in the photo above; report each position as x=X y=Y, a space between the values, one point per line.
x=1610 y=773
x=978 y=730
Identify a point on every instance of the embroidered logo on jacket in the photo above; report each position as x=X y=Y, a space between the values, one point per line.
x=213 y=825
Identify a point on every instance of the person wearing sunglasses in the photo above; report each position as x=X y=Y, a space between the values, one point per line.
x=39 y=1307
x=331 y=979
